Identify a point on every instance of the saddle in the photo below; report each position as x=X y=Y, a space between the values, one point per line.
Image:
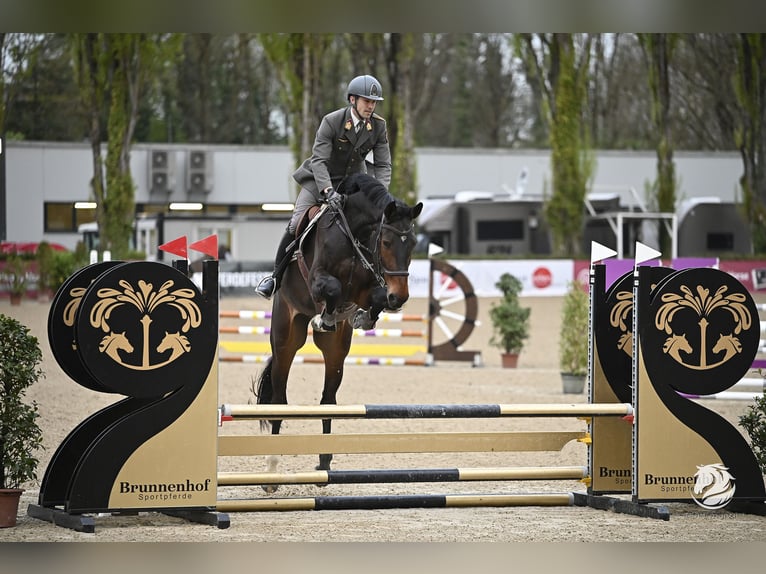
x=303 y=224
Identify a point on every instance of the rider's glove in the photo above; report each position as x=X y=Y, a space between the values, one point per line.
x=332 y=197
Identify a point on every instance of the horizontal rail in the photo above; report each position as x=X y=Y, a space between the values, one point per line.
x=727 y=396
x=394 y=501
x=373 y=361
x=253 y=445
x=403 y=475
x=385 y=317
x=398 y=411
x=263 y=330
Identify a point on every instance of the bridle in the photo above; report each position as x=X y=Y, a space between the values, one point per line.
x=378 y=270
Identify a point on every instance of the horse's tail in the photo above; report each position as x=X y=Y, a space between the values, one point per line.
x=265 y=390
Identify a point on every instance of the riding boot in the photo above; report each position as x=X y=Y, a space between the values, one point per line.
x=269 y=284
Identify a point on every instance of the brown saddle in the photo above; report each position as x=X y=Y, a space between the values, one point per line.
x=308 y=215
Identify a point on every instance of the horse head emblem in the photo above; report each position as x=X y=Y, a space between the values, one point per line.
x=113 y=343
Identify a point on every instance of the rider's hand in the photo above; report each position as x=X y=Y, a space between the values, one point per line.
x=333 y=198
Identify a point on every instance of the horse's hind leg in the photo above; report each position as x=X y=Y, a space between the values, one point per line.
x=334 y=347
x=288 y=334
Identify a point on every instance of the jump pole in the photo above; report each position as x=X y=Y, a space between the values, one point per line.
x=403 y=475
x=395 y=501
x=414 y=411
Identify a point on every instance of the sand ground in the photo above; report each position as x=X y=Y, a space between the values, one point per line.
x=63 y=404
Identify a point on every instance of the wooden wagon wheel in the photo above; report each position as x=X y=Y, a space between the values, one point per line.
x=452 y=316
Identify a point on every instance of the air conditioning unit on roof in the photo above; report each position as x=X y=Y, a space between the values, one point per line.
x=162 y=171
x=199 y=171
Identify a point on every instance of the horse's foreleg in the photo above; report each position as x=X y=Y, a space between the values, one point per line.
x=325 y=459
x=327 y=290
x=334 y=347
x=366 y=318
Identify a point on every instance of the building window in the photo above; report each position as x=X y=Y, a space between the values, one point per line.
x=494 y=230
x=720 y=241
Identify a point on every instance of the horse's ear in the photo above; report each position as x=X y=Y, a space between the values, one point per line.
x=390 y=211
x=417 y=209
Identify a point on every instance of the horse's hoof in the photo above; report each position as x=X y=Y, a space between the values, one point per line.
x=270 y=488
x=320 y=326
x=362 y=320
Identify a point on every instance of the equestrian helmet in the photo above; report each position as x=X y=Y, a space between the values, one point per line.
x=365 y=87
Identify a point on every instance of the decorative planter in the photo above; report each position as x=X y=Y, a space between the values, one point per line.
x=9 y=506
x=509 y=360
x=572 y=384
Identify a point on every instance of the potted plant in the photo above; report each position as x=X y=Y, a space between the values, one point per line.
x=510 y=320
x=16 y=277
x=20 y=435
x=573 y=339
x=44 y=257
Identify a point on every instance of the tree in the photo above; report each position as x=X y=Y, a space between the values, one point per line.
x=298 y=61
x=560 y=67
x=111 y=71
x=658 y=51
x=750 y=134
x=16 y=63
x=42 y=96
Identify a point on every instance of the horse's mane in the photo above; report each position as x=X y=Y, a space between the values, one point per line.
x=364 y=192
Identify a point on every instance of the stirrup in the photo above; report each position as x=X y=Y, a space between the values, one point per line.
x=266 y=287
x=320 y=326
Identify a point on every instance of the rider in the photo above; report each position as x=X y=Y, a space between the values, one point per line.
x=344 y=139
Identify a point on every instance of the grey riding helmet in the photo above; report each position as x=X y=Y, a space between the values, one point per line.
x=366 y=87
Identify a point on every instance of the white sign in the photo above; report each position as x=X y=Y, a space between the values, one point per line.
x=539 y=277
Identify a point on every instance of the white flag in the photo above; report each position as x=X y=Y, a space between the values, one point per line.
x=645 y=253
x=600 y=252
x=434 y=249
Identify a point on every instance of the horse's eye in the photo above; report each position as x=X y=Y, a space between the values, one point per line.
x=387 y=243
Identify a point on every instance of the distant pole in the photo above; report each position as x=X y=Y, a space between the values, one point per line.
x=3 y=230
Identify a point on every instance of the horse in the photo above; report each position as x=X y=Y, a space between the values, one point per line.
x=350 y=266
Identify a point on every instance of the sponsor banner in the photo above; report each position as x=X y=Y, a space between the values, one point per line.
x=752 y=274
x=539 y=277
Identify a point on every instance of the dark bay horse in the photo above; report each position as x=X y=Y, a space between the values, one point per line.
x=351 y=265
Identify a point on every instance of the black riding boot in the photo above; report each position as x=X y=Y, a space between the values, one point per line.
x=270 y=283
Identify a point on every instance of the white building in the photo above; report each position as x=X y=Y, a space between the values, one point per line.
x=44 y=180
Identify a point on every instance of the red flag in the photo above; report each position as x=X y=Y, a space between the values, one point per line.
x=208 y=246
x=176 y=246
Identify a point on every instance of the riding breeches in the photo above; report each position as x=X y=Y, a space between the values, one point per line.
x=303 y=202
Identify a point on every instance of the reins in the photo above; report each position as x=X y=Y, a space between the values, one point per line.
x=378 y=270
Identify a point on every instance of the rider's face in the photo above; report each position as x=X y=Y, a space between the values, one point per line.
x=364 y=106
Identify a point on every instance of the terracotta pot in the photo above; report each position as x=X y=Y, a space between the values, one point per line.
x=509 y=360
x=15 y=299
x=9 y=506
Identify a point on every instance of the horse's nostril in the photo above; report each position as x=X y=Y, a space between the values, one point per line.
x=395 y=301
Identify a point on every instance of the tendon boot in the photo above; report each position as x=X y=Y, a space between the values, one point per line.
x=269 y=284
x=319 y=326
